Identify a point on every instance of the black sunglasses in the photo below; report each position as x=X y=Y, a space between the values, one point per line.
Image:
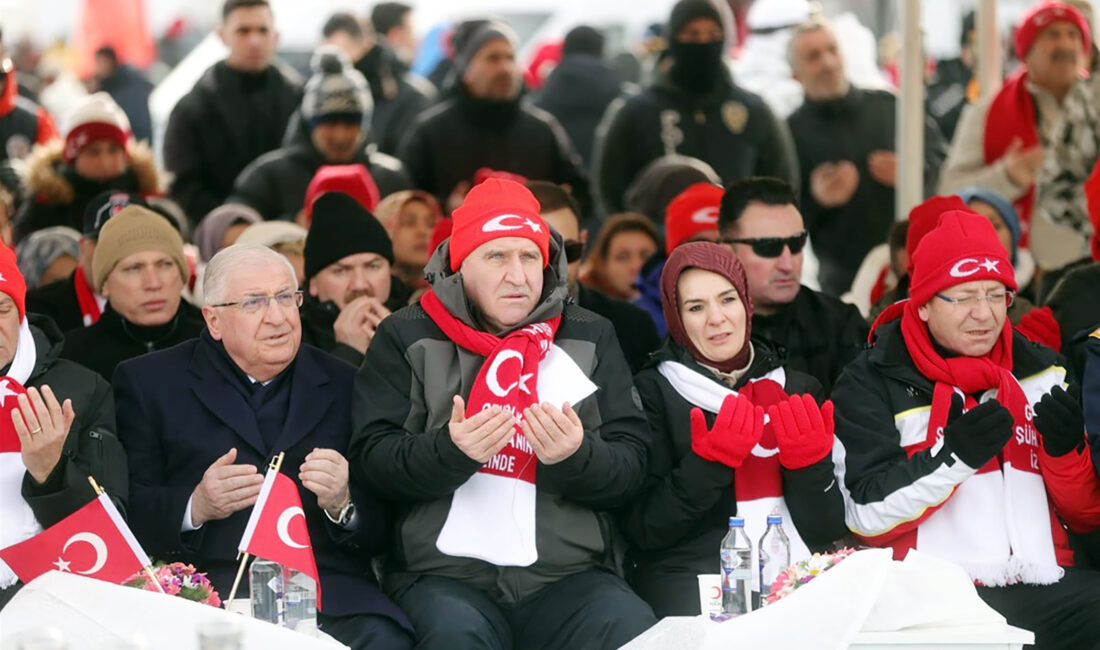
x=773 y=246
x=573 y=250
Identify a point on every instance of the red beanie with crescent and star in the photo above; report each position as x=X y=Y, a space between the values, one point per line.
x=962 y=248
x=493 y=209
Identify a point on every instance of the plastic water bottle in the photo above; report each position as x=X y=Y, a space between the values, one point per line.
x=300 y=602
x=775 y=555
x=736 y=558
x=266 y=591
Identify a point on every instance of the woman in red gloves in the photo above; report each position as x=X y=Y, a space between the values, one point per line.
x=734 y=433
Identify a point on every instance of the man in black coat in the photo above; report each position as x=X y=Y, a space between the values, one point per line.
x=335 y=110
x=66 y=436
x=399 y=96
x=579 y=90
x=483 y=124
x=845 y=142
x=815 y=333
x=633 y=327
x=237 y=111
x=128 y=87
x=693 y=109
x=139 y=267
x=351 y=287
x=202 y=419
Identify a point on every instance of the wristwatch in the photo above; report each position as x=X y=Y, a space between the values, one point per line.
x=345 y=514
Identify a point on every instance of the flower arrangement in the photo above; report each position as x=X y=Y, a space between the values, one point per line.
x=177 y=579
x=800 y=573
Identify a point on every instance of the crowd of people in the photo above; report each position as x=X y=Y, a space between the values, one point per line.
x=526 y=352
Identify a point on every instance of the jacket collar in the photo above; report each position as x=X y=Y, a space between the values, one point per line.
x=309 y=399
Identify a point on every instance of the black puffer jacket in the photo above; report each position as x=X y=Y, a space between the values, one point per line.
x=275 y=183
x=676 y=524
x=92 y=448
x=730 y=129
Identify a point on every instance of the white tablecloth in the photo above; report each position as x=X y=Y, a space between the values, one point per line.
x=867 y=601
x=93 y=615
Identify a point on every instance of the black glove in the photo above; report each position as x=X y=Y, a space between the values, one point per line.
x=979 y=434
x=1060 y=420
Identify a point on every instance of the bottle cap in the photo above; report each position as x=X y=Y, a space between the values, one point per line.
x=737 y=522
x=775 y=519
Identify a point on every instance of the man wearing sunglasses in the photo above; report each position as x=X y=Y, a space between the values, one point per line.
x=200 y=421
x=819 y=335
x=633 y=326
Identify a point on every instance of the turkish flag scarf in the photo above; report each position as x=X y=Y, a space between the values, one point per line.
x=1011 y=116
x=996 y=524
x=506 y=484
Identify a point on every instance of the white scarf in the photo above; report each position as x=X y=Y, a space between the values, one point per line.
x=492 y=518
x=17 y=520
x=708 y=394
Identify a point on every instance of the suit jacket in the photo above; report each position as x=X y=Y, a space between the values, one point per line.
x=179 y=410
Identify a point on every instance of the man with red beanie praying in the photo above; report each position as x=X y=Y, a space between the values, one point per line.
x=959 y=438
x=503 y=423
x=57 y=423
x=1000 y=143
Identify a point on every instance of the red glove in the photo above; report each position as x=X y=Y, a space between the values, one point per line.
x=803 y=431
x=1039 y=326
x=736 y=431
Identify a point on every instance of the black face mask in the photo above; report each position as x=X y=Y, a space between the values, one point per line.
x=696 y=67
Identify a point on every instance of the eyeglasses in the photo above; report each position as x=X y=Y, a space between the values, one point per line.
x=256 y=304
x=998 y=299
x=773 y=246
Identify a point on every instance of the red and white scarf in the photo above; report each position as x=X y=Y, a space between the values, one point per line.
x=758 y=483
x=1012 y=116
x=503 y=490
x=997 y=523
x=17 y=520
x=86 y=299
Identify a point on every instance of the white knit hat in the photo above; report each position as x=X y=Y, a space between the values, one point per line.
x=95 y=117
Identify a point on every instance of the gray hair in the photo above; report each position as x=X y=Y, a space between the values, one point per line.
x=235 y=257
x=812 y=25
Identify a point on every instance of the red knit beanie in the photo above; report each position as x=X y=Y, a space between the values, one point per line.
x=353 y=180
x=964 y=247
x=1043 y=14
x=923 y=219
x=1092 y=197
x=493 y=209
x=693 y=211
x=11 y=280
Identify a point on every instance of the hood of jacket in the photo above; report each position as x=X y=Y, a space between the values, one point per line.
x=48 y=177
x=448 y=286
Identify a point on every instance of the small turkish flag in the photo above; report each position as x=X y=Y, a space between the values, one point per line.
x=10 y=390
x=277 y=531
x=93 y=541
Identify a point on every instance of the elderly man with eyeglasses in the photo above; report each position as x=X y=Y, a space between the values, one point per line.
x=200 y=422
x=816 y=333
x=958 y=437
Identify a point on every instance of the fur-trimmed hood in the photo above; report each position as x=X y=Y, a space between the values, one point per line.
x=48 y=182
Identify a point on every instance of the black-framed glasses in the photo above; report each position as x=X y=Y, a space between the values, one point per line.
x=995 y=299
x=773 y=246
x=256 y=304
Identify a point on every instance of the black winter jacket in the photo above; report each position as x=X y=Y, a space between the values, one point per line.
x=275 y=183
x=227 y=120
x=452 y=140
x=816 y=334
x=318 y=319
x=112 y=339
x=398 y=97
x=730 y=129
x=58 y=301
x=91 y=449
x=850 y=129
x=677 y=522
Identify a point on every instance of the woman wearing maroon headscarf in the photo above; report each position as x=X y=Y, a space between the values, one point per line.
x=734 y=433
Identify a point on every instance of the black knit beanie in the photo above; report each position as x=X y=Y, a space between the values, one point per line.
x=341 y=227
x=686 y=11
